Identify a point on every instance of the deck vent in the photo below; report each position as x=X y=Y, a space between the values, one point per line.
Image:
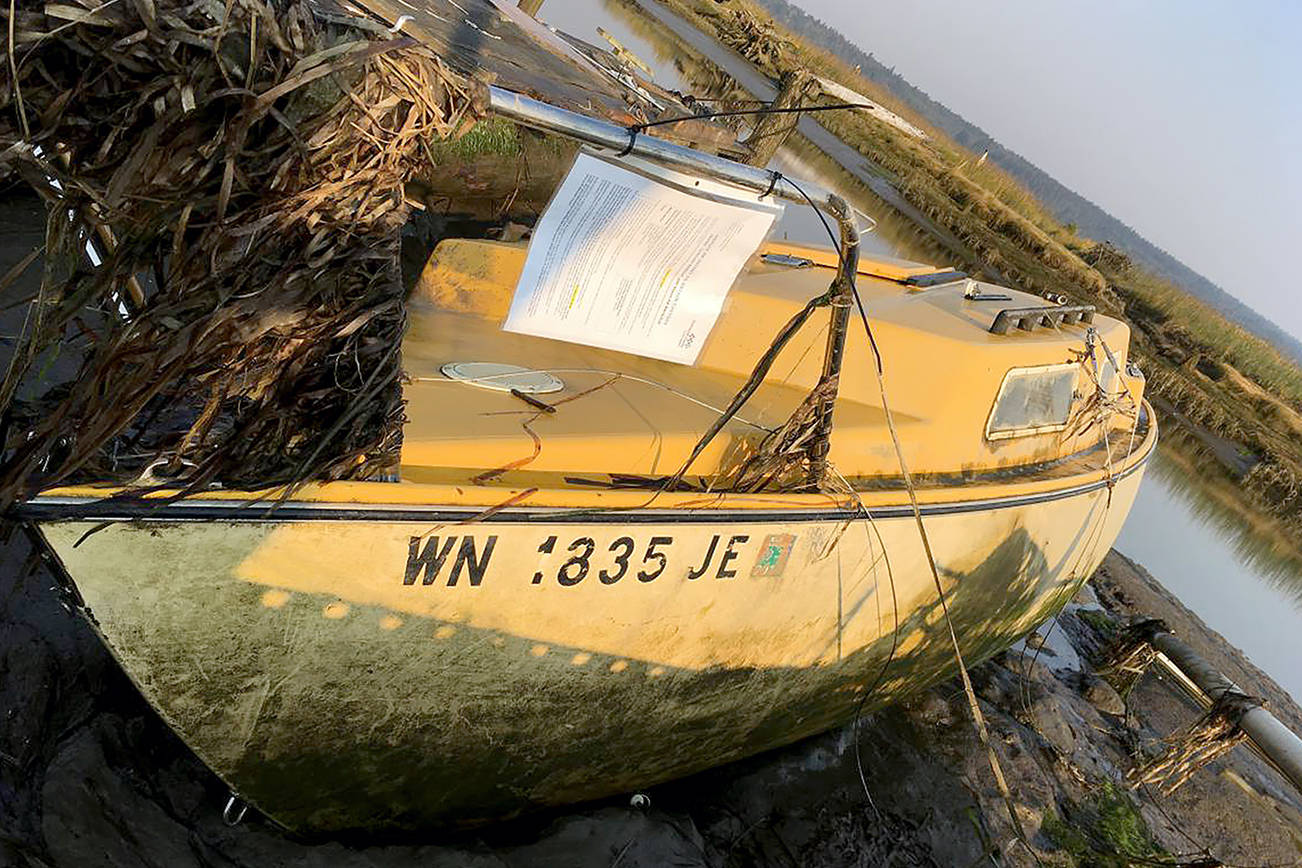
x=502 y=378
x=1027 y=318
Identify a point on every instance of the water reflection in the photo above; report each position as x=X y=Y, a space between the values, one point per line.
x=1237 y=574
x=892 y=235
x=581 y=18
x=1257 y=543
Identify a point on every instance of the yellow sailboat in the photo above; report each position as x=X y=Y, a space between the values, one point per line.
x=595 y=570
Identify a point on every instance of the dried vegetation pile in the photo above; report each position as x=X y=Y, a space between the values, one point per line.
x=241 y=169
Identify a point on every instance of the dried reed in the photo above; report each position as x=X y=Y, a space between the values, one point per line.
x=241 y=167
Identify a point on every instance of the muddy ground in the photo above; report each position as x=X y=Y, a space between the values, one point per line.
x=90 y=776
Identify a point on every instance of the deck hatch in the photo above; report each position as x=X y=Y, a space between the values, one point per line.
x=1032 y=401
x=1027 y=318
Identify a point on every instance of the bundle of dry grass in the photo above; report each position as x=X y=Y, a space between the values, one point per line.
x=1213 y=735
x=241 y=167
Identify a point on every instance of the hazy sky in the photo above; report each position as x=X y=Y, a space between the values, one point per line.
x=1183 y=119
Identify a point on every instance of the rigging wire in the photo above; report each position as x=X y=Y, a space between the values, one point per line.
x=895 y=636
x=621 y=375
x=836 y=242
x=768 y=109
x=866 y=513
x=1108 y=408
x=978 y=718
x=982 y=733
x=963 y=669
x=1096 y=535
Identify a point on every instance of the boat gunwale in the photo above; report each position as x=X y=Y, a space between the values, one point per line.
x=264 y=507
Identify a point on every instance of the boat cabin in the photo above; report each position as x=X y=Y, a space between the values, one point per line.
x=968 y=401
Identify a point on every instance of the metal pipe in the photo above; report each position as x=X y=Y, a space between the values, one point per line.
x=604 y=134
x=1277 y=743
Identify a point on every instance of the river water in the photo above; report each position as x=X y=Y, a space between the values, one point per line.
x=1230 y=573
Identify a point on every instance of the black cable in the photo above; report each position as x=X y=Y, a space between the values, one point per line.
x=769 y=110
x=872 y=340
x=854 y=289
x=836 y=241
x=632 y=140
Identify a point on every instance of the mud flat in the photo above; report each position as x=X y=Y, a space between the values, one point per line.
x=90 y=776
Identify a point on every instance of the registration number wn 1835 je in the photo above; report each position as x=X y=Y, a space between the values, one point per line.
x=449 y=558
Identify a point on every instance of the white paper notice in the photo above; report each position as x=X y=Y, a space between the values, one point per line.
x=628 y=262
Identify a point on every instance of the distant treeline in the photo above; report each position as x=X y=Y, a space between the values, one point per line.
x=1067 y=205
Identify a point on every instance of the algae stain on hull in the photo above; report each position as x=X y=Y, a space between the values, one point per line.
x=297 y=663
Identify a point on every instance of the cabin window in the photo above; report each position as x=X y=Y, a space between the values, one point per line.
x=1032 y=401
x=1107 y=376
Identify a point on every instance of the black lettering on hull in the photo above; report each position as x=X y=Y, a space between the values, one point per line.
x=729 y=556
x=435 y=554
x=475 y=566
x=705 y=564
x=431 y=558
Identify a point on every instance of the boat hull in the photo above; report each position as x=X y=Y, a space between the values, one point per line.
x=350 y=671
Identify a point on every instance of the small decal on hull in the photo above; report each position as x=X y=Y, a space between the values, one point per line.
x=771 y=561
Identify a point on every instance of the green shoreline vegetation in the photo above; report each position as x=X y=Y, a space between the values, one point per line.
x=1230 y=387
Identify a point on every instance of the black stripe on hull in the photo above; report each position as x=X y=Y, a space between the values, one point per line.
x=61 y=509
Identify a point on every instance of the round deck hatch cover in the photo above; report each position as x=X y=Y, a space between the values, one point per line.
x=502 y=378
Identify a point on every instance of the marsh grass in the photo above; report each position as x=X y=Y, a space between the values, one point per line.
x=492 y=136
x=263 y=200
x=1256 y=358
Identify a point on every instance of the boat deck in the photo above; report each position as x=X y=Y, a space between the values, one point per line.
x=627 y=415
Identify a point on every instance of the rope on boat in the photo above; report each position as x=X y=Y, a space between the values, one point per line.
x=774 y=458
x=978 y=719
x=753 y=382
x=870 y=689
x=1102 y=406
x=1098 y=409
